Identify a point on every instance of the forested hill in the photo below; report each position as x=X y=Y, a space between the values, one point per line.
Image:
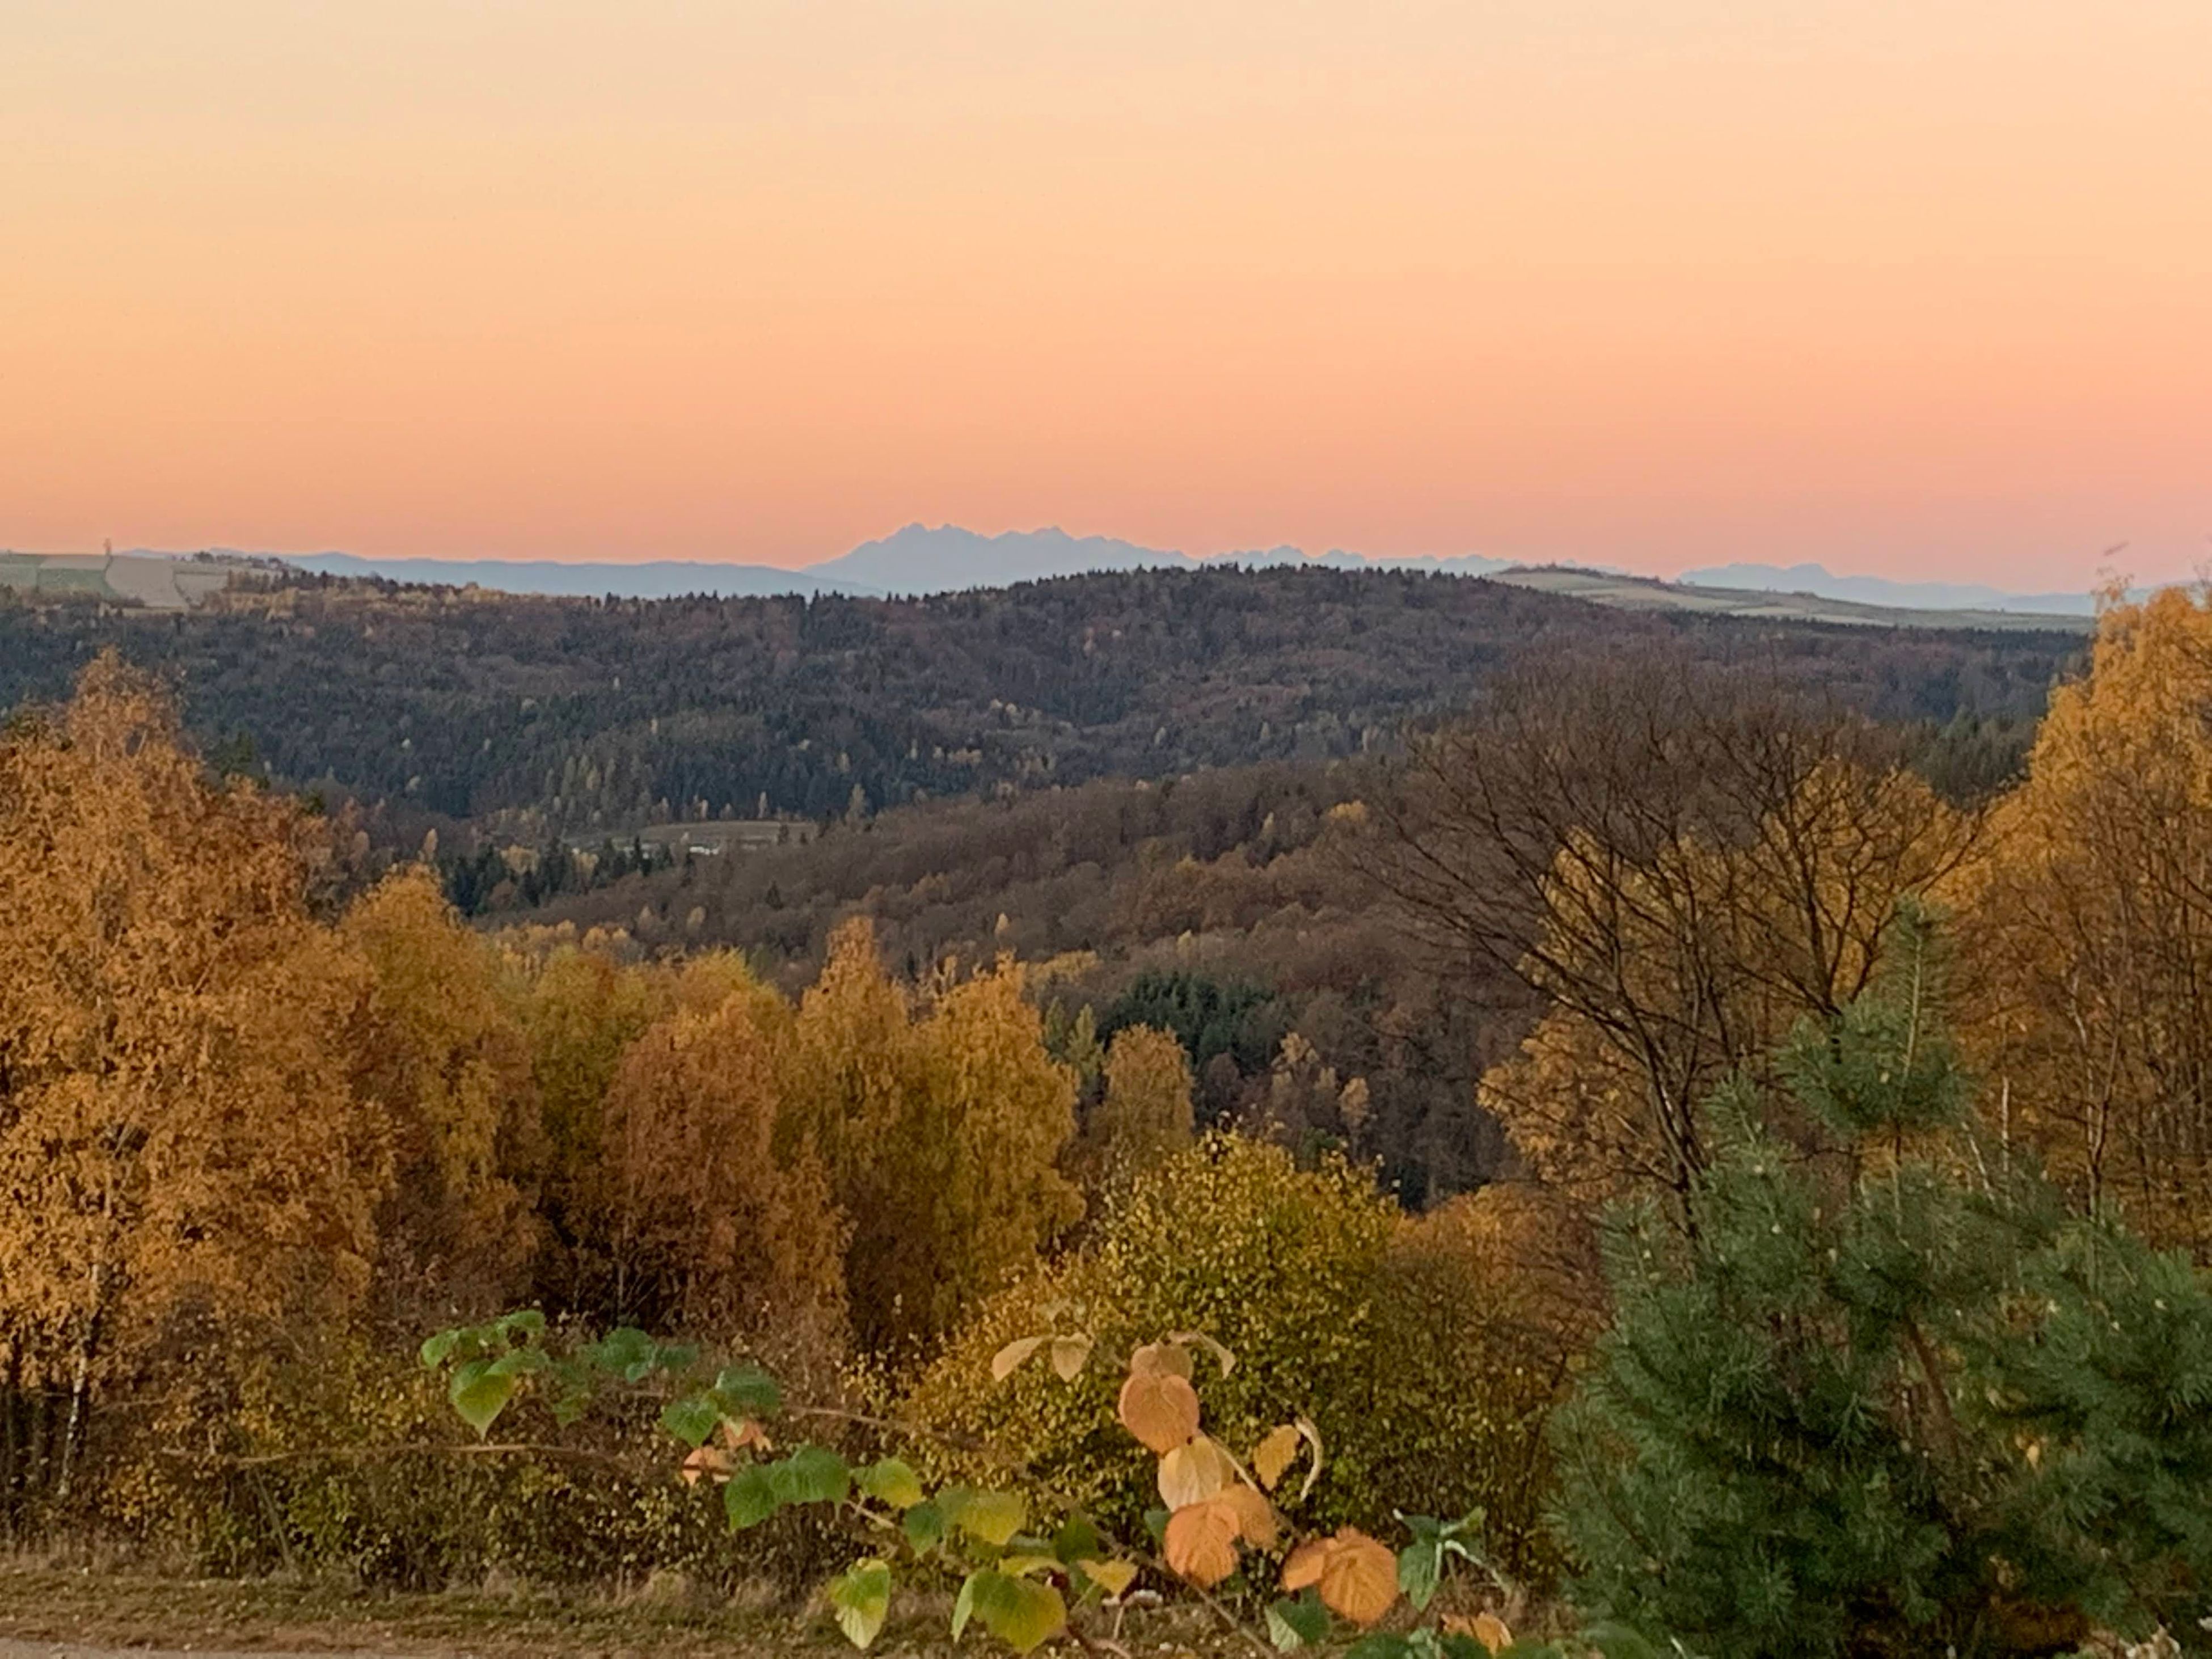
x=535 y=716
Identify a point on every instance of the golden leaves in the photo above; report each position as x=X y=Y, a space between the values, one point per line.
x=184 y=1105
x=1160 y=1408
x=1278 y=1449
x=1114 y=1577
x=1273 y=1454
x=1214 y=1504
x=1357 y=1576
x=991 y=1517
x=1256 y=1520
x=1202 y=1542
x=1193 y=1472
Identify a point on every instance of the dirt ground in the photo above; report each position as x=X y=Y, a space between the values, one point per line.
x=48 y=1612
x=51 y=1613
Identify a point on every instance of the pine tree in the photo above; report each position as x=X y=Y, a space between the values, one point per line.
x=1768 y=1458
x=1874 y=1391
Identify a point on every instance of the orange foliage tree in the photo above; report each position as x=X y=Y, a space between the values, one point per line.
x=1665 y=973
x=178 y=1128
x=703 y=1225
x=2086 y=950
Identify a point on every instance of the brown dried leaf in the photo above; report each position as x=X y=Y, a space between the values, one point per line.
x=1201 y=1542
x=1160 y=1408
x=742 y=1433
x=1305 y=1564
x=1359 y=1576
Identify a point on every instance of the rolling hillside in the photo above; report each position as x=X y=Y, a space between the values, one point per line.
x=532 y=717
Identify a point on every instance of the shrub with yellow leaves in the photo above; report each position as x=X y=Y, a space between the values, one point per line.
x=1029 y=1575
x=1417 y=1349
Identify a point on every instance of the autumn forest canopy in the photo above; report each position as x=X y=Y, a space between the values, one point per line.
x=1719 y=1115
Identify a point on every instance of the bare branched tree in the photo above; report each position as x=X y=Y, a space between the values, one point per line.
x=1682 y=858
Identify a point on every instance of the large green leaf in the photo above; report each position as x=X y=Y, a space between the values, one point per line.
x=672 y=1356
x=924 y=1525
x=991 y=1518
x=892 y=1481
x=811 y=1475
x=1078 y=1540
x=1020 y=1611
x=692 y=1420
x=750 y=1497
x=569 y=1391
x=861 y=1597
x=626 y=1351
x=480 y=1393
x=1297 y=1622
x=964 y=1605
x=521 y=1362
x=1420 y=1565
x=747 y=1391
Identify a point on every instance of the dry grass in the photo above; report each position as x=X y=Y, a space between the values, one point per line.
x=137 y=1609
x=665 y=1619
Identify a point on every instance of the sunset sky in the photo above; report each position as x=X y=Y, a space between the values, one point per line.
x=1914 y=288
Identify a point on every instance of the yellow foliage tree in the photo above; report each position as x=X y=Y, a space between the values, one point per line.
x=444 y=1056
x=940 y=1133
x=580 y=1010
x=178 y=1133
x=1146 y=1114
x=2087 y=948
x=1000 y=1110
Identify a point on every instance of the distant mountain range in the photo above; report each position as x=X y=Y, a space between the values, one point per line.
x=921 y=559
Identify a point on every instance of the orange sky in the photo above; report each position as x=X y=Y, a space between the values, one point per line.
x=1917 y=288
